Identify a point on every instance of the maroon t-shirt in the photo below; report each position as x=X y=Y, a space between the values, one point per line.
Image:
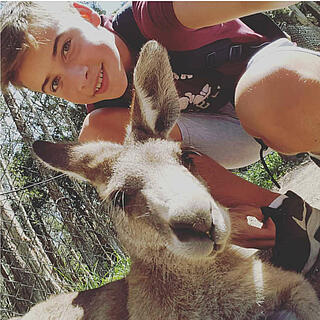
x=201 y=92
x=156 y=20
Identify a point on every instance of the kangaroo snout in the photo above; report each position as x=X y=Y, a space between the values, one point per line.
x=192 y=214
x=200 y=224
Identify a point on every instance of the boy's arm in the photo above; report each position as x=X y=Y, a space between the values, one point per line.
x=199 y=14
x=230 y=190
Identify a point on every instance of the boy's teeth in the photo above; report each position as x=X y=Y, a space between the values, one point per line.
x=99 y=80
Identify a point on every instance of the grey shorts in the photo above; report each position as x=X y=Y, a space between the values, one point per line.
x=220 y=135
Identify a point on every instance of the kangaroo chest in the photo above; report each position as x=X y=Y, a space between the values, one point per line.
x=196 y=299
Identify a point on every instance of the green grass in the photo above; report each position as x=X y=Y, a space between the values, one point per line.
x=89 y=278
x=116 y=272
x=256 y=173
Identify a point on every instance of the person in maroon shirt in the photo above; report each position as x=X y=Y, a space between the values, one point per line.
x=276 y=99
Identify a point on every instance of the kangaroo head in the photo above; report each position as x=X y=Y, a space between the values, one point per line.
x=158 y=204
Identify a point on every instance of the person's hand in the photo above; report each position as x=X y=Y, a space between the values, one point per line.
x=248 y=230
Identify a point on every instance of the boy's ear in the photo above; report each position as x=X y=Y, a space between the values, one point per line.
x=88 y=14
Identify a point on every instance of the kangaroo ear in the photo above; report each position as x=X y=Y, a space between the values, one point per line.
x=84 y=161
x=155 y=105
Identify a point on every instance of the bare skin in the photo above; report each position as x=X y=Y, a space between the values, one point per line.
x=280 y=103
x=199 y=14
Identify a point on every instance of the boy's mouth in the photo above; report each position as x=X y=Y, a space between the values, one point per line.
x=99 y=81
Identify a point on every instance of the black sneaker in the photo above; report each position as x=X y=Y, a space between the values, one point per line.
x=297 y=235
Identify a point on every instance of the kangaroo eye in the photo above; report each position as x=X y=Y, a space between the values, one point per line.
x=118 y=199
x=187 y=161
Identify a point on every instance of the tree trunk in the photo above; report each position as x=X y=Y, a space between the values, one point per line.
x=300 y=16
x=76 y=232
x=314 y=8
x=28 y=263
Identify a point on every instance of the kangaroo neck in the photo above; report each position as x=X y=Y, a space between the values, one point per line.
x=177 y=290
x=175 y=270
x=183 y=273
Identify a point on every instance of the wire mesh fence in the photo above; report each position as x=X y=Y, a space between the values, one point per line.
x=57 y=236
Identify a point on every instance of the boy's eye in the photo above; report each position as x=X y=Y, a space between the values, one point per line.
x=66 y=47
x=55 y=84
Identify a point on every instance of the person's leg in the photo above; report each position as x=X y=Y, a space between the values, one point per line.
x=277 y=98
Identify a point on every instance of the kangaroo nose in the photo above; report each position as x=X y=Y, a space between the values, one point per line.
x=196 y=219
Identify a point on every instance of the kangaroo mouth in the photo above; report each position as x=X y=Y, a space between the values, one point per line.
x=186 y=233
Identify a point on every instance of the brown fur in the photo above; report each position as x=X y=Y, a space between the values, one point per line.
x=177 y=236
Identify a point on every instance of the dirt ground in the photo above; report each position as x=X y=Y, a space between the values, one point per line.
x=305 y=181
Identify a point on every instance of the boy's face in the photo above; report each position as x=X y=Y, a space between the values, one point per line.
x=75 y=61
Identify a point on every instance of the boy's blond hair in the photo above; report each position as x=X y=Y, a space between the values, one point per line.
x=21 y=23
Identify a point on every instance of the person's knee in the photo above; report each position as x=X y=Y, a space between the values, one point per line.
x=280 y=79
x=257 y=99
x=280 y=105
x=105 y=124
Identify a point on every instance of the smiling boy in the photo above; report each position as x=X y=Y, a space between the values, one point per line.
x=77 y=57
x=79 y=51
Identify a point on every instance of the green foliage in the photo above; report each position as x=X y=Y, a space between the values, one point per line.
x=89 y=278
x=286 y=16
x=25 y=171
x=256 y=173
x=310 y=14
x=281 y=16
x=78 y=114
x=95 y=6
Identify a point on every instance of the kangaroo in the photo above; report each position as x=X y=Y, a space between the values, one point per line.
x=177 y=236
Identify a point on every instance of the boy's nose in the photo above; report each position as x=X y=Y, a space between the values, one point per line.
x=78 y=77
